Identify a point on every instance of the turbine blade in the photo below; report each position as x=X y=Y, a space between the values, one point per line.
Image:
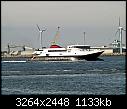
x=38 y=27
x=119 y=21
x=44 y=30
x=38 y=37
x=116 y=32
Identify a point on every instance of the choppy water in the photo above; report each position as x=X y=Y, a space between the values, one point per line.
x=80 y=77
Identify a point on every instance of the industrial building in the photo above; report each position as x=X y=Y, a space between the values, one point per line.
x=107 y=50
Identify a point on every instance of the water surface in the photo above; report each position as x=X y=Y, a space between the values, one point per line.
x=79 y=77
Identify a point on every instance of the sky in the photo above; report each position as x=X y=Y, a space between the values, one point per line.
x=98 y=19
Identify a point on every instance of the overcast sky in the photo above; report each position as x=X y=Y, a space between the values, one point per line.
x=98 y=19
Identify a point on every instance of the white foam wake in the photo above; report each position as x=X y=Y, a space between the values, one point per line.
x=13 y=61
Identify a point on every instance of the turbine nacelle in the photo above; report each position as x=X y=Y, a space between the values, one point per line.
x=40 y=29
x=120 y=27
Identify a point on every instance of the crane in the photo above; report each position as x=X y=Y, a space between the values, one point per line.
x=57 y=35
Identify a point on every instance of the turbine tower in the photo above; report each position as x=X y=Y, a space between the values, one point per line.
x=40 y=31
x=120 y=29
x=84 y=38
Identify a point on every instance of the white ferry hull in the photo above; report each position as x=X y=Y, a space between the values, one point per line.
x=88 y=57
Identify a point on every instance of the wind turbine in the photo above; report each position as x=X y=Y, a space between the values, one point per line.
x=40 y=31
x=120 y=29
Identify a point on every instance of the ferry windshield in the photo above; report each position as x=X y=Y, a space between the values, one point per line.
x=82 y=47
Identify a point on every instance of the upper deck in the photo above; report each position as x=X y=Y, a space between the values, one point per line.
x=78 y=46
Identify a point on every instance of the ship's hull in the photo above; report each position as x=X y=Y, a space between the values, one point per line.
x=88 y=57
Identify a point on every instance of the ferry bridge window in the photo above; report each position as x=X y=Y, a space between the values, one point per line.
x=56 y=50
x=82 y=47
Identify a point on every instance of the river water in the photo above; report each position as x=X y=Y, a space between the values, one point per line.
x=64 y=78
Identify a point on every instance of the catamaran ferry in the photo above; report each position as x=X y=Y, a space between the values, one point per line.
x=72 y=52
